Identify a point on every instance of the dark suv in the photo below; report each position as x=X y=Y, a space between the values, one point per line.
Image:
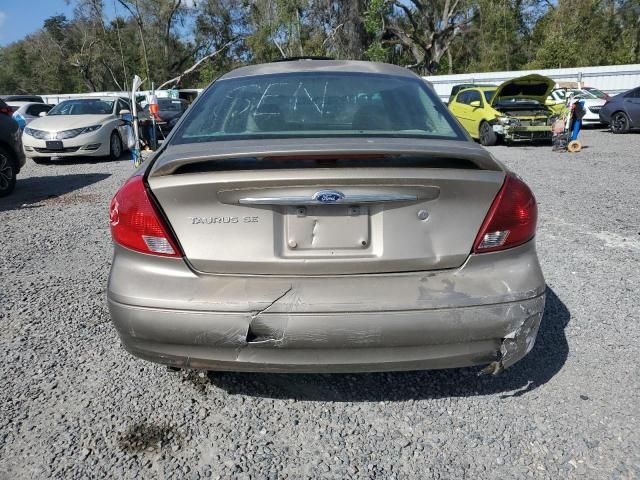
x=12 y=157
x=22 y=98
x=622 y=112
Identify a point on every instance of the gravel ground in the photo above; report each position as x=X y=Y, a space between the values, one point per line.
x=73 y=404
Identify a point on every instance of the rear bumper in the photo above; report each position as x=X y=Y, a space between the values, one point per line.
x=487 y=311
x=320 y=342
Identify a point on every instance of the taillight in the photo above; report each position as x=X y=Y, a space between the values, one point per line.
x=136 y=224
x=511 y=220
x=6 y=110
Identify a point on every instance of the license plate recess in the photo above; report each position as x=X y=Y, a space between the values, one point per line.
x=335 y=227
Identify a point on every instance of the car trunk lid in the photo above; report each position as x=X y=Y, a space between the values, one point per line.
x=293 y=213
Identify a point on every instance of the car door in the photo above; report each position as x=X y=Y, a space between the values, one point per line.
x=124 y=122
x=460 y=109
x=476 y=112
x=632 y=106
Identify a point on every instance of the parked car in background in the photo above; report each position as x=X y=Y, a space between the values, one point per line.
x=92 y=126
x=622 y=112
x=11 y=155
x=298 y=220
x=513 y=111
x=169 y=112
x=598 y=93
x=591 y=102
x=456 y=88
x=22 y=98
x=25 y=112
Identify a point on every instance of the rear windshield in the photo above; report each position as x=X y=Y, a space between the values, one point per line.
x=317 y=105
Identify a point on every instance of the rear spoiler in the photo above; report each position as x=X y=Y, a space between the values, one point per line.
x=174 y=157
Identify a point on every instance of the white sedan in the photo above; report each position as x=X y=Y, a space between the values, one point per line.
x=592 y=103
x=93 y=126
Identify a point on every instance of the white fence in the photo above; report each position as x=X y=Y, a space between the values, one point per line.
x=54 y=99
x=612 y=79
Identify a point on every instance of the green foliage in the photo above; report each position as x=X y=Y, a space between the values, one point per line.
x=580 y=33
x=374 y=16
x=160 y=39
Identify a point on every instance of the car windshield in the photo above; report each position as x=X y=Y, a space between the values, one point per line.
x=488 y=94
x=298 y=105
x=580 y=94
x=596 y=92
x=583 y=94
x=83 y=107
x=560 y=94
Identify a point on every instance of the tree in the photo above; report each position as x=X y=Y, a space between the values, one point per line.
x=426 y=28
x=343 y=27
x=189 y=43
x=586 y=32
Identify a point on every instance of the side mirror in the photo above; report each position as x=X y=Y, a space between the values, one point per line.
x=124 y=111
x=475 y=104
x=42 y=114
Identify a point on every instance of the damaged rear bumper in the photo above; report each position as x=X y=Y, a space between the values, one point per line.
x=332 y=342
x=485 y=312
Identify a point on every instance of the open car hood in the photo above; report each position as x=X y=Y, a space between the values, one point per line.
x=530 y=87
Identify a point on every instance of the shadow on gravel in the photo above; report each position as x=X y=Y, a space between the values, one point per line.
x=34 y=192
x=86 y=160
x=543 y=362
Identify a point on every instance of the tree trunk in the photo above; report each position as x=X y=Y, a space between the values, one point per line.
x=352 y=36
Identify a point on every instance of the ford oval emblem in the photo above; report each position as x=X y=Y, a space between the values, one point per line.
x=328 y=196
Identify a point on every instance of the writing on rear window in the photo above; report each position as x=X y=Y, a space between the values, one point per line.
x=302 y=105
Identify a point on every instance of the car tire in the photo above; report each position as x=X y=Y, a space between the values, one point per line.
x=42 y=160
x=8 y=172
x=488 y=137
x=619 y=123
x=115 y=146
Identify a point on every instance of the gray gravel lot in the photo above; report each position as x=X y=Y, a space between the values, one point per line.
x=73 y=404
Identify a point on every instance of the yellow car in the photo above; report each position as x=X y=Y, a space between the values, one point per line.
x=512 y=111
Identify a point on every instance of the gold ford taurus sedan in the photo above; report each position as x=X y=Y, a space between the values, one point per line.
x=324 y=216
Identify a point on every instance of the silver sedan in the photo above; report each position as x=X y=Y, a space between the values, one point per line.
x=324 y=216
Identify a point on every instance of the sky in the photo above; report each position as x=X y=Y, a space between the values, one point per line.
x=18 y=18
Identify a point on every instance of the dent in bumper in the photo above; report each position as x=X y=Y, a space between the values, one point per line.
x=515 y=345
x=167 y=313
x=322 y=342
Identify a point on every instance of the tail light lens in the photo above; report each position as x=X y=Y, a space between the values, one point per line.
x=6 y=110
x=511 y=220
x=136 y=224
